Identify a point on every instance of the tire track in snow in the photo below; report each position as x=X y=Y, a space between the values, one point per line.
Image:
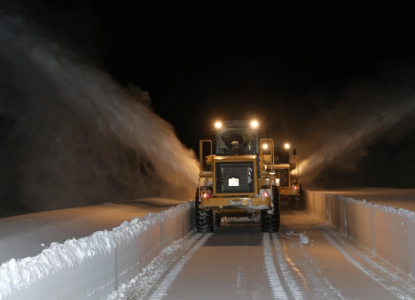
x=288 y=278
x=142 y=284
x=333 y=289
x=274 y=280
x=392 y=289
x=160 y=292
x=408 y=286
x=314 y=286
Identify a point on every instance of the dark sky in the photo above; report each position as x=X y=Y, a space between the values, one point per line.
x=283 y=62
x=230 y=59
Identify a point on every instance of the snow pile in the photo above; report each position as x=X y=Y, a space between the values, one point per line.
x=390 y=209
x=18 y=275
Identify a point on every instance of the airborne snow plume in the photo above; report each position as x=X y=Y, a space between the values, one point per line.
x=69 y=135
x=347 y=143
x=338 y=135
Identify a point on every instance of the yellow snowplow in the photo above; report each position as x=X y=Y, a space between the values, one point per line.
x=287 y=172
x=237 y=177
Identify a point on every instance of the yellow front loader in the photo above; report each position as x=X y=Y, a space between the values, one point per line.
x=237 y=178
x=287 y=172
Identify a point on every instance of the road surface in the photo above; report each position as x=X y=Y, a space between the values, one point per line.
x=305 y=260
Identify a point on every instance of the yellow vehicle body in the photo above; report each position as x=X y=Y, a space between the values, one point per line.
x=288 y=182
x=236 y=202
x=238 y=181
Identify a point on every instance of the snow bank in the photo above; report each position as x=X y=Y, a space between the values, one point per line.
x=95 y=266
x=386 y=231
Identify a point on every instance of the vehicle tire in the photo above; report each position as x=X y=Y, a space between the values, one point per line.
x=203 y=217
x=294 y=203
x=265 y=221
x=297 y=202
x=217 y=219
x=302 y=198
x=271 y=222
x=275 y=222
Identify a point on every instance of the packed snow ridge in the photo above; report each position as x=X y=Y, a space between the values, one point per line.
x=397 y=211
x=16 y=275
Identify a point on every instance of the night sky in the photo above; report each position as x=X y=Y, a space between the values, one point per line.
x=286 y=63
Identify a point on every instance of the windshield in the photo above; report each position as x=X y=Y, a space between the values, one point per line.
x=236 y=141
x=281 y=155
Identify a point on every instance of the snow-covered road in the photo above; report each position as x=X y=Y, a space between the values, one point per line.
x=305 y=260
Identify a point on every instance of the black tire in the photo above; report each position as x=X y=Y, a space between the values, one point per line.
x=302 y=198
x=203 y=217
x=265 y=221
x=271 y=222
x=217 y=219
x=297 y=202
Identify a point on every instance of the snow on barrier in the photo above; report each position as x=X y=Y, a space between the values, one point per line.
x=95 y=266
x=386 y=231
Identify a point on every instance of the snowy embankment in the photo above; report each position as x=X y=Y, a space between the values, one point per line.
x=387 y=232
x=95 y=266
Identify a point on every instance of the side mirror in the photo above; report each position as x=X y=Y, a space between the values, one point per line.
x=294 y=151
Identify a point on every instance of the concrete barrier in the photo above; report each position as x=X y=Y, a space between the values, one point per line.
x=385 y=231
x=95 y=266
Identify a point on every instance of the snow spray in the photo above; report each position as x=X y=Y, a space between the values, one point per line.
x=346 y=134
x=69 y=135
